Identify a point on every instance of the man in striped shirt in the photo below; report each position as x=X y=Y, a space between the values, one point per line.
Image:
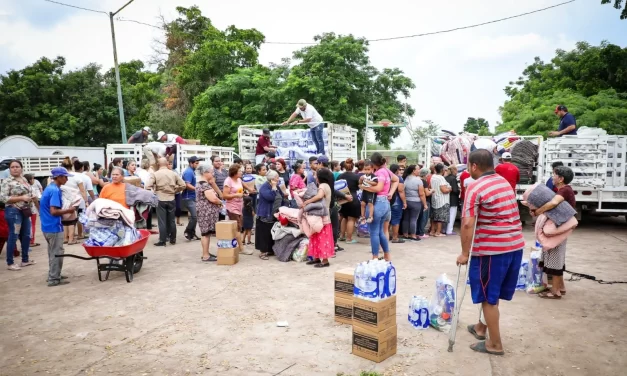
x=490 y=203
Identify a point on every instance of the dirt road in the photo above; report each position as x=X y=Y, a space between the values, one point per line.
x=184 y=317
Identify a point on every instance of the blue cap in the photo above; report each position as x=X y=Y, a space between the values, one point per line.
x=323 y=159
x=59 y=171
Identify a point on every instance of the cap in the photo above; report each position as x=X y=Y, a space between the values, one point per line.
x=301 y=102
x=272 y=160
x=147 y=129
x=507 y=155
x=193 y=159
x=271 y=154
x=59 y=171
x=561 y=107
x=323 y=159
x=266 y=132
x=160 y=134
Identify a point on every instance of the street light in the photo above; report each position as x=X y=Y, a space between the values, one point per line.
x=117 y=74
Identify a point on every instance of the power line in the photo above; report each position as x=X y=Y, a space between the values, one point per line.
x=369 y=40
x=77 y=7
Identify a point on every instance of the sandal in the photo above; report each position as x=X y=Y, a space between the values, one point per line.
x=211 y=258
x=72 y=242
x=480 y=347
x=321 y=265
x=471 y=330
x=352 y=241
x=341 y=240
x=263 y=256
x=35 y=245
x=549 y=295
x=313 y=262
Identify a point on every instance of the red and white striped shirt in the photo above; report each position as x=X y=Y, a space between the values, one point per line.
x=499 y=230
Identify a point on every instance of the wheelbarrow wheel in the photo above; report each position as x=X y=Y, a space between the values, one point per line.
x=138 y=261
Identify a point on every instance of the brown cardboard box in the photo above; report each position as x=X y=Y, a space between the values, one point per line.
x=192 y=142
x=226 y=230
x=133 y=180
x=374 y=316
x=344 y=310
x=344 y=281
x=228 y=256
x=375 y=346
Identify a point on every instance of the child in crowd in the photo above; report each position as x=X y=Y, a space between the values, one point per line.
x=248 y=218
x=367 y=198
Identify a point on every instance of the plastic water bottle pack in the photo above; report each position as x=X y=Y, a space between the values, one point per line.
x=522 y=275
x=375 y=280
x=442 y=304
x=534 y=273
x=227 y=243
x=418 y=314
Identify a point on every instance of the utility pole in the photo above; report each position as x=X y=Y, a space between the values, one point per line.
x=117 y=74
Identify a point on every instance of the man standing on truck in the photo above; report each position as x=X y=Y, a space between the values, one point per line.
x=263 y=146
x=140 y=137
x=568 y=125
x=311 y=117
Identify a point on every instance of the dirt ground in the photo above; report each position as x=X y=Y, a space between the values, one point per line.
x=184 y=317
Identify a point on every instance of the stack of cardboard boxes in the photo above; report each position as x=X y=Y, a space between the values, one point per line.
x=344 y=280
x=374 y=323
x=226 y=233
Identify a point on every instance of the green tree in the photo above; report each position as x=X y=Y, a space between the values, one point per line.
x=617 y=4
x=476 y=126
x=591 y=81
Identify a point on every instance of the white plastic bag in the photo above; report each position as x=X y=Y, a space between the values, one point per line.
x=442 y=304
x=534 y=274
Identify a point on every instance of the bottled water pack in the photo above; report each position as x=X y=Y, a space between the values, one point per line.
x=375 y=280
x=227 y=243
x=418 y=315
x=522 y=275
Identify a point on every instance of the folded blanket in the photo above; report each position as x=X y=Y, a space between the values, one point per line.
x=539 y=194
x=291 y=214
x=136 y=195
x=284 y=247
x=310 y=192
x=319 y=208
x=551 y=236
x=279 y=231
x=104 y=208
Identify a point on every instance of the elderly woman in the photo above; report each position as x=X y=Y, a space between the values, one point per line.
x=233 y=193
x=424 y=214
x=115 y=191
x=17 y=195
x=268 y=194
x=208 y=206
x=439 y=201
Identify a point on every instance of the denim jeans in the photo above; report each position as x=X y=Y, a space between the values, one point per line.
x=410 y=221
x=377 y=236
x=316 y=136
x=190 y=204
x=422 y=221
x=19 y=228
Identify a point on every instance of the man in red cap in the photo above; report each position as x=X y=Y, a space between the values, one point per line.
x=568 y=125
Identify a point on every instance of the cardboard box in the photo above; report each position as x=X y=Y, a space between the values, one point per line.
x=344 y=310
x=226 y=230
x=344 y=282
x=374 y=316
x=228 y=256
x=342 y=186
x=375 y=346
x=192 y=142
x=133 y=180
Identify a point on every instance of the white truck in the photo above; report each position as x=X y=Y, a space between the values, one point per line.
x=135 y=152
x=340 y=142
x=599 y=163
x=39 y=160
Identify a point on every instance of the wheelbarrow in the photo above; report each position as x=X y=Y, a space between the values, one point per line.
x=128 y=258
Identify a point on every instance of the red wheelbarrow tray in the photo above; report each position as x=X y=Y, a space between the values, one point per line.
x=121 y=251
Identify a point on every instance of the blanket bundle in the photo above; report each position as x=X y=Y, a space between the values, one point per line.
x=109 y=224
x=554 y=226
x=319 y=208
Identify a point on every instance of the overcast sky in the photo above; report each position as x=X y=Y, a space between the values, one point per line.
x=457 y=75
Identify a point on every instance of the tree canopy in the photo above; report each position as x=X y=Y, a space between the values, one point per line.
x=591 y=81
x=618 y=4
x=477 y=126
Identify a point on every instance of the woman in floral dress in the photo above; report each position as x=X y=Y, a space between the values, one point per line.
x=208 y=206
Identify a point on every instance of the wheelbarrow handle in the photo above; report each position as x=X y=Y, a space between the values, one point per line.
x=89 y=258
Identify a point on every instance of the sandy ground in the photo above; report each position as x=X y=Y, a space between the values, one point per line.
x=182 y=317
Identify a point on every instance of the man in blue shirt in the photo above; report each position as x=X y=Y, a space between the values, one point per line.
x=568 y=125
x=189 y=197
x=50 y=212
x=313 y=167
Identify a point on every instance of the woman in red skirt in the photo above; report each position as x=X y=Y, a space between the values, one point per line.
x=321 y=245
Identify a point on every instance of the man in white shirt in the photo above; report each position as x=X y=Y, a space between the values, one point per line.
x=310 y=116
x=153 y=151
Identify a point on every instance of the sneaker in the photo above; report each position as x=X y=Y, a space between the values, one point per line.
x=159 y=244
x=246 y=251
x=57 y=283
x=172 y=242
x=62 y=277
x=28 y=263
x=14 y=267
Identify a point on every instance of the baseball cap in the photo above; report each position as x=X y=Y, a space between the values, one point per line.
x=301 y=102
x=160 y=134
x=507 y=155
x=323 y=159
x=193 y=159
x=561 y=107
x=147 y=129
x=59 y=171
x=266 y=132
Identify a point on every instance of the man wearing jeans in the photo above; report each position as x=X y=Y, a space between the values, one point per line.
x=50 y=212
x=309 y=116
x=166 y=184
x=189 y=197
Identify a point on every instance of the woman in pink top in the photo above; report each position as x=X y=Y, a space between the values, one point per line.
x=385 y=188
x=296 y=181
x=233 y=193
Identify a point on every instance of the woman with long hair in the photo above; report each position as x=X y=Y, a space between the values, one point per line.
x=424 y=214
x=351 y=211
x=439 y=201
x=268 y=194
x=321 y=245
x=17 y=195
x=76 y=183
x=37 y=191
x=296 y=182
x=233 y=193
x=416 y=201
